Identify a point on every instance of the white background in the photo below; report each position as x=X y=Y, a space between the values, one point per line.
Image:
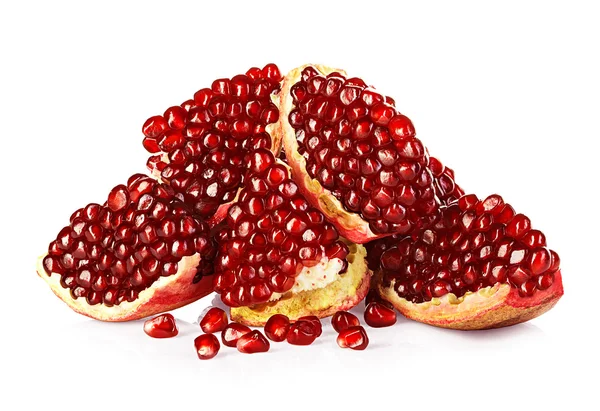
x=506 y=94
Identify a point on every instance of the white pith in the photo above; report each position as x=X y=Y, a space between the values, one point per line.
x=313 y=278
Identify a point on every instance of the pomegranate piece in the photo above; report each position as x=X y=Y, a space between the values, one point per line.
x=372 y=169
x=110 y=254
x=272 y=237
x=302 y=333
x=378 y=315
x=277 y=327
x=200 y=147
x=343 y=320
x=253 y=342
x=354 y=338
x=315 y=321
x=232 y=333
x=214 y=320
x=207 y=346
x=475 y=245
x=161 y=326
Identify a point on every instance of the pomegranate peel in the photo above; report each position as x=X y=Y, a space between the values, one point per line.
x=344 y=293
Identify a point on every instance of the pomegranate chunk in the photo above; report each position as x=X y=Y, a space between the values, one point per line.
x=277 y=327
x=253 y=342
x=161 y=326
x=302 y=333
x=378 y=315
x=354 y=338
x=207 y=346
x=215 y=320
x=342 y=320
x=232 y=333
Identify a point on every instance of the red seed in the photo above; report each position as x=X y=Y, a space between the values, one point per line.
x=378 y=315
x=207 y=346
x=343 y=320
x=277 y=327
x=232 y=333
x=253 y=342
x=302 y=333
x=354 y=338
x=315 y=321
x=214 y=320
x=161 y=326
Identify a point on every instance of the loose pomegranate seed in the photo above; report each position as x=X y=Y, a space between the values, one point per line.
x=379 y=315
x=253 y=342
x=161 y=326
x=232 y=333
x=343 y=320
x=277 y=327
x=302 y=333
x=214 y=320
x=207 y=346
x=272 y=235
x=474 y=244
x=315 y=321
x=354 y=338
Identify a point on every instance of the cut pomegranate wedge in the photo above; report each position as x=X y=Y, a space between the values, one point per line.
x=480 y=266
x=354 y=156
x=139 y=254
x=278 y=255
x=199 y=147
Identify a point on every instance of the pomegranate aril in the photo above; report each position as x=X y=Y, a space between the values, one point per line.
x=214 y=320
x=315 y=321
x=232 y=333
x=342 y=320
x=207 y=346
x=302 y=333
x=354 y=338
x=253 y=342
x=161 y=326
x=277 y=327
x=378 y=315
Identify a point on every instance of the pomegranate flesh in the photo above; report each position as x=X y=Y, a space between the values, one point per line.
x=379 y=315
x=161 y=326
x=302 y=333
x=215 y=320
x=207 y=346
x=354 y=338
x=277 y=327
x=253 y=342
x=481 y=265
x=342 y=320
x=232 y=333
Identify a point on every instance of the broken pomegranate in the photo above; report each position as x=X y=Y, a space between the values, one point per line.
x=200 y=146
x=277 y=327
x=207 y=346
x=141 y=253
x=342 y=320
x=276 y=245
x=480 y=266
x=354 y=338
x=232 y=333
x=354 y=156
x=161 y=326
x=214 y=320
x=379 y=315
x=253 y=342
x=302 y=333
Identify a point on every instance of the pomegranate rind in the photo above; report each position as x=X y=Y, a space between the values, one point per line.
x=350 y=225
x=345 y=292
x=165 y=294
x=496 y=306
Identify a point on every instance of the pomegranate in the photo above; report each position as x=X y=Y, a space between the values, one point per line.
x=277 y=327
x=379 y=315
x=207 y=346
x=354 y=156
x=354 y=338
x=253 y=342
x=141 y=253
x=278 y=255
x=342 y=320
x=199 y=147
x=302 y=332
x=480 y=266
x=232 y=333
x=214 y=320
x=161 y=326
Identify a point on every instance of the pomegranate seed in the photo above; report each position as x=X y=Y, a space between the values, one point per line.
x=232 y=333
x=378 y=315
x=354 y=338
x=161 y=326
x=253 y=342
x=277 y=327
x=315 y=321
x=207 y=346
x=215 y=320
x=342 y=320
x=302 y=333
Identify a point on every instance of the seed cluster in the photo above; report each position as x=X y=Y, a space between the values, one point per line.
x=110 y=253
x=200 y=145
